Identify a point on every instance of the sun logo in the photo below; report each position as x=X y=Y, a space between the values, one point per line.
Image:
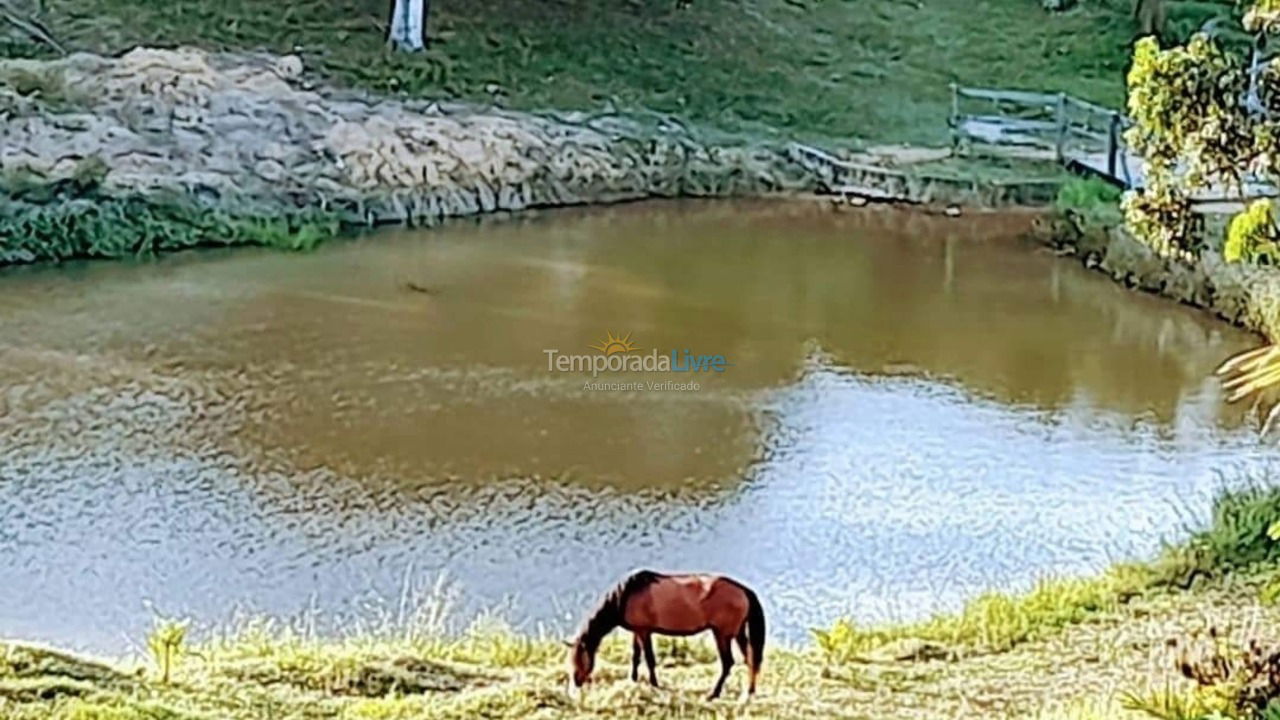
x=612 y=345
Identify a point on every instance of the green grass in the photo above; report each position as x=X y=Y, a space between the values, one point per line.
x=994 y=621
x=74 y=219
x=1092 y=201
x=1236 y=540
x=1237 y=537
x=837 y=70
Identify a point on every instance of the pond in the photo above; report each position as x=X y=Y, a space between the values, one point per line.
x=910 y=409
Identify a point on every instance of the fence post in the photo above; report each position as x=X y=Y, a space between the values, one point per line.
x=1062 y=125
x=1112 y=145
x=955 y=118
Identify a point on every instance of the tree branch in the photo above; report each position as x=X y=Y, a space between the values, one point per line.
x=32 y=27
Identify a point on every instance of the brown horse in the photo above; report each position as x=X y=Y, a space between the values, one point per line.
x=648 y=603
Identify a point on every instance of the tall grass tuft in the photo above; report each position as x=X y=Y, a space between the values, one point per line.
x=994 y=622
x=166 y=643
x=1238 y=534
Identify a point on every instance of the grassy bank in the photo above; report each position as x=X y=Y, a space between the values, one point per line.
x=835 y=70
x=1071 y=649
x=85 y=225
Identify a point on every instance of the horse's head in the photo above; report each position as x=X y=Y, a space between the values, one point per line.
x=582 y=661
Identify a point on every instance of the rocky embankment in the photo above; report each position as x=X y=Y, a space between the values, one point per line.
x=1243 y=294
x=255 y=132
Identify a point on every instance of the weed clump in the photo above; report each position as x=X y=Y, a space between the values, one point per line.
x=1231 y=681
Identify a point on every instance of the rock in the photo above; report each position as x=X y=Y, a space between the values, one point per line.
x=288 y=66
x=269 y=170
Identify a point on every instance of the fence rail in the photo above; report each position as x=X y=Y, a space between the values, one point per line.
x=1078 y=133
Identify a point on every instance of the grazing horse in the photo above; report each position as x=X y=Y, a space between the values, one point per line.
x=648 y=603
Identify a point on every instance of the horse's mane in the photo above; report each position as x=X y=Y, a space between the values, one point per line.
x=608 y=613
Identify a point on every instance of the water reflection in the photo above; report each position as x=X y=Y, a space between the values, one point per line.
x=918 y=408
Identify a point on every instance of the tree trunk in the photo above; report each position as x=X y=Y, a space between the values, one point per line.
x=408 y=27
x=1150 y=17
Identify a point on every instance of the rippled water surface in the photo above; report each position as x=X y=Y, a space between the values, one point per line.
x=917 y=408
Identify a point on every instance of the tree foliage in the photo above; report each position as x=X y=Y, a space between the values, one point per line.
x=1194 y=129
x=1206 y=115
x=1201 y=121
x=1252 y=235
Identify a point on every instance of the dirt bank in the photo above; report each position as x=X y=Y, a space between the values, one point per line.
x=252 y=131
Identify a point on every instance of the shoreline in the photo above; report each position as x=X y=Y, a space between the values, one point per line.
x=160 y=150
x=1240 y=294
x=1078 y=648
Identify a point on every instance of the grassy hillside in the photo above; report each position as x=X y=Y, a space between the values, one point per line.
x=832 y=70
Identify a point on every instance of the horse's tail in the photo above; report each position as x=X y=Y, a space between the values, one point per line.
x=755 y=630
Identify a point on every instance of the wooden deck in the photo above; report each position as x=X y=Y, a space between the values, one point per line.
x=1086 y=138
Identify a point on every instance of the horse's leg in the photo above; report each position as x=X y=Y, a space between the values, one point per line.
x=635 y=657
x=745 y=648
x=647 y=641
x=724 y=644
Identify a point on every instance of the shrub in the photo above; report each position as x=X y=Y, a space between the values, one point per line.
x=1237 y=537
x=1252 y=235
x=140 y=226
x=1231 y=680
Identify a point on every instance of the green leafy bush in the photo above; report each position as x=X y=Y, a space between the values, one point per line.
x=1252 y=235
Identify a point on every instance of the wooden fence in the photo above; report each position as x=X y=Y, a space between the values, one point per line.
x=1078 y=133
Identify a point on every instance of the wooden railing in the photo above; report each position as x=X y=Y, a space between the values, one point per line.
x=1075 y=131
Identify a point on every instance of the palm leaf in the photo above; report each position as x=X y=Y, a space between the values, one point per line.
x=1251 y=373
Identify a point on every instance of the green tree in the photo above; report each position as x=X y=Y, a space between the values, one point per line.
x=1194 y=128
x=1207 y=114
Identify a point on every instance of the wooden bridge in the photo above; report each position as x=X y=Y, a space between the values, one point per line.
x=1085 y=137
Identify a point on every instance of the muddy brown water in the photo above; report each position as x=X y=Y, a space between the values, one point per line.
x=913 y=409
